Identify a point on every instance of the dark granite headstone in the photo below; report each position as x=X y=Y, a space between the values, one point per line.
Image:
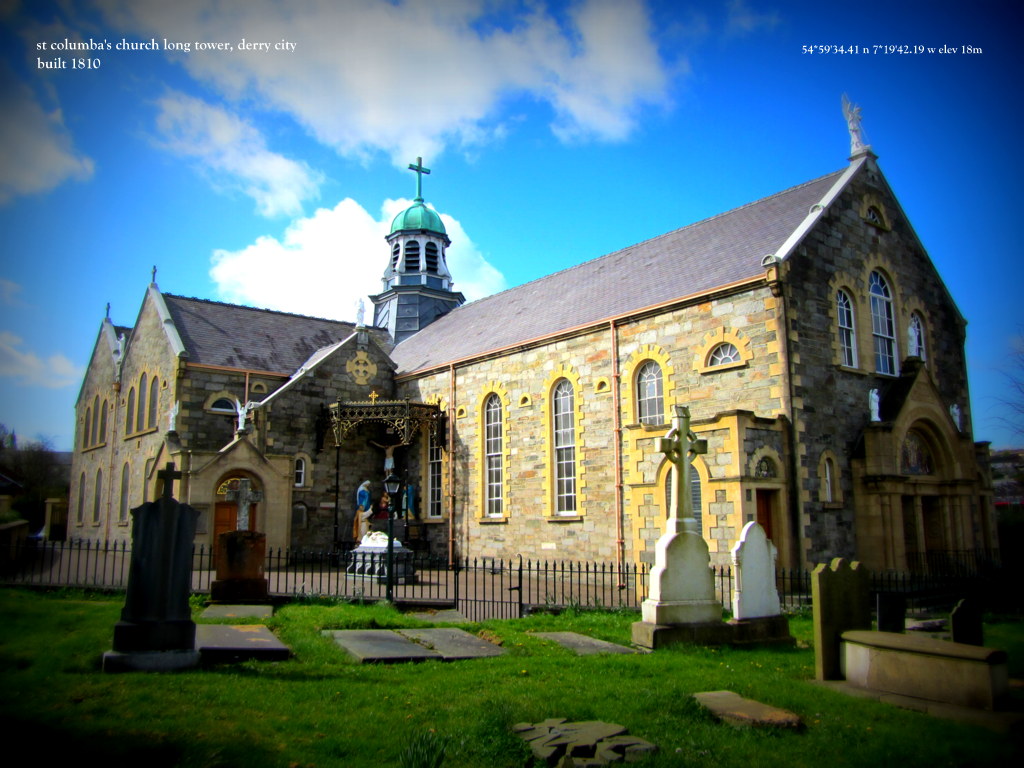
x=965 y=622
x=156 y=617
x=892 y=612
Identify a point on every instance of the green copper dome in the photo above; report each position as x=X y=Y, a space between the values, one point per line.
x=418 y=216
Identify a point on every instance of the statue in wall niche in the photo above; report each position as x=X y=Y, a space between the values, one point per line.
x=874 y=404
x=172 y=417
x=954 y=413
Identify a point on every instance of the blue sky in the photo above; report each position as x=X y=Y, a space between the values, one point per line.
x=556 y=132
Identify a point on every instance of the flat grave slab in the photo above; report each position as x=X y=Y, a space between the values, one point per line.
x=735 y=710
x=453 y=644
x=379 y=646
x=238 y=612
x=237 y=642
x=582 y=645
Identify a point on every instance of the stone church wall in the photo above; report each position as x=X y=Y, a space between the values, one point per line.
x=148 y=353
x=679 y=340
x=831 y=399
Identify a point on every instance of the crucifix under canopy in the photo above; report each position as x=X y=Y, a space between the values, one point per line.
x=420 y=170
x=245 y=496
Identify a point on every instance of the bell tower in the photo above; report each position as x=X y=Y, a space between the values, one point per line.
x=417 y=286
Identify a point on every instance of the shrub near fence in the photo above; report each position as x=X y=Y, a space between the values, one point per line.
x=480 y=588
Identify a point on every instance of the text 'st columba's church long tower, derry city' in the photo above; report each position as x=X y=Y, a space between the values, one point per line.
x=417 y=283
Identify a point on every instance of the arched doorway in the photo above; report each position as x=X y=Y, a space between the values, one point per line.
x=225 y=514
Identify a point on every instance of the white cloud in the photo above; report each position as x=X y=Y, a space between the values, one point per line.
x=743 y=20
x=326 y=262
x=36 y=151
x=413 y=76
x=235 y=153
x=28 y=369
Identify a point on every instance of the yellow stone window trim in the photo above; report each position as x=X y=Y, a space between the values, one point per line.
x=712 y=341
x=914 y=306
x=425 y=498
x=874 y=213
x=630 y=404
x=494 y=388
x=865 y=328
x=568 y=373
x=830 y=486
x=845 y=283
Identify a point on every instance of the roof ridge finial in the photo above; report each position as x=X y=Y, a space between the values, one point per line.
x=420 y=170
x=153 y=280
x=852 y=114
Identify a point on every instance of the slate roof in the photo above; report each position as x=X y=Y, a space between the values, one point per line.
x=253 y=339
x=712 y=253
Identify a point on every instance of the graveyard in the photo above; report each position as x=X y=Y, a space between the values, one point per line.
x=235 y=678
x=321 y=707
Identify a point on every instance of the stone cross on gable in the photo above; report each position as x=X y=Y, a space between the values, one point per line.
x=420 y=170
x=168 y=474
x=245 y=496
x=681 y=447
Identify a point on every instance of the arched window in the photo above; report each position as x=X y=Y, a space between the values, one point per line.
x=430 y=251
x=847 y=332
x=87 y=428
x=103 y=422
x=493 y=456
x=154 y=390
x=830 y=481
x=412 y=256
x=80 y=514
x=300 y=472
x=97 y=496
x=396 y=251
x=564 y=433
x=223 y=405
x=882 y=326
x=915 y=337
x=650 y=403
x=122 y=511
x=723 y=354
x=129 y=413
x=95 y=436
x=140 y=419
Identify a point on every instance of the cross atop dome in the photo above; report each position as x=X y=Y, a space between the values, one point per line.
x=420 y=170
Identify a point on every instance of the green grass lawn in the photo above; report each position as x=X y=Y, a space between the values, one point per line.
x=320 y=709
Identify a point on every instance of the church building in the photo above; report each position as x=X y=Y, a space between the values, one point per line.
x=809 y=334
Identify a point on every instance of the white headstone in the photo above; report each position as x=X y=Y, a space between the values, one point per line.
x=753 y=560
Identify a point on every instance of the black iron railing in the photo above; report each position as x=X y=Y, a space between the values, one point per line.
x=479 y=587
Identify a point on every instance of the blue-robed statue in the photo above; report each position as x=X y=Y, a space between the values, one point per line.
x=364 y=511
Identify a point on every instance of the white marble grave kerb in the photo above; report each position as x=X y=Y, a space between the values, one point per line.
x=753 y=557
x=682 y=584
